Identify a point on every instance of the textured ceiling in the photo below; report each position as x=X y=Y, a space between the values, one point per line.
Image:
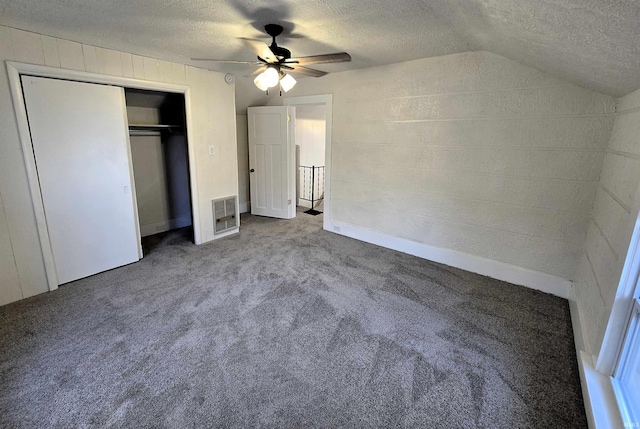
x=594 y=43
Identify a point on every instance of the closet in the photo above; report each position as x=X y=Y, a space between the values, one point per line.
x=111 y=166
x=160 y=160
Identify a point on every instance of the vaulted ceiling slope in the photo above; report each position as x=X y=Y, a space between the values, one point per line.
x=594 y=43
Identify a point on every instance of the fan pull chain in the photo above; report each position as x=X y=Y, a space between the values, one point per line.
x=280 y=92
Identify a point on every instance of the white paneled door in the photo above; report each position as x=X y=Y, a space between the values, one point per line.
x=271 y=161
x=80 y=141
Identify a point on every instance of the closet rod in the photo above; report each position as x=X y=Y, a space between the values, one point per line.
x=155 y=127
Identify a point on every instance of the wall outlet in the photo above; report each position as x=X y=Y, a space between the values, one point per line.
x=336 y=228
x=212 y=150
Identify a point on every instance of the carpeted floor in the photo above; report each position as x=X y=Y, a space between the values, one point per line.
x=287 y=326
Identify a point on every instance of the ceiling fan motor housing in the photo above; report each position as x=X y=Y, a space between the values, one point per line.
x=281 y=53
x=274 y=30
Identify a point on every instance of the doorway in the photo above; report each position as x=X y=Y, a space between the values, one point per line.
x=310 y=139
x=159 y=152
x=313 y=137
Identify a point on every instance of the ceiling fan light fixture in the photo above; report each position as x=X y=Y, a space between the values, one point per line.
x=259 y=81
x=287 y=82
x=271 y=77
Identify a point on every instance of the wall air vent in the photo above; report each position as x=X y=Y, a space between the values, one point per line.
x=224 y=215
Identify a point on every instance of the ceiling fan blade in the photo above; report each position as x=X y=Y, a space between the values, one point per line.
x=261 y=49
x=253 y=63
x=339 y=57
x=295 y=68
x=258 y=71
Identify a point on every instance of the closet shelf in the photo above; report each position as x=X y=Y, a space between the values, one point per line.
x=154 y=127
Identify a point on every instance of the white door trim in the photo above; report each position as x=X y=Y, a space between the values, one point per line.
x=15 y=70
x=326 y=100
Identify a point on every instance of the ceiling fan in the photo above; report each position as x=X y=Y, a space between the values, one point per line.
x=276 y=62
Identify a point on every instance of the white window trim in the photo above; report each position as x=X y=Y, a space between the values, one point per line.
x=630 y=415
x=614 y=337
x=597 y=371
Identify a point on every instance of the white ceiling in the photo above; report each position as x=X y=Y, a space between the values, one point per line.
x=594 y=43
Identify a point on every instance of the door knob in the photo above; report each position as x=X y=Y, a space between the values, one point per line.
x=252 y=170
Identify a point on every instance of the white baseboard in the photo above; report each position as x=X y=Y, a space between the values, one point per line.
x=576 y=323
x=477 y=264
x=245 y=207
x=158 y=227
x=226 y=233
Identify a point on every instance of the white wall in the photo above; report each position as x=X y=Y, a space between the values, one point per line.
x=143 y=115
x=151 y=181
x=213 y=123
x=9 y=283
x=615 y=210
x=470 y=152
x=310 y=134
x=162 y=182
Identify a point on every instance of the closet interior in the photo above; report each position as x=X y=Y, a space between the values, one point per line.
x=157 y=130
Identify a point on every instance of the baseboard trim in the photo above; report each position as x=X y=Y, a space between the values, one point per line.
x=158 y=227
x=245 y=206
x=579 y=336
x=226 y=233
x=488 y=267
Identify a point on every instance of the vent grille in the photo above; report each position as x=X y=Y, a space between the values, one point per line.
x=224 y=215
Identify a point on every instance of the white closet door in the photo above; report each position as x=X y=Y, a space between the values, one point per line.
x=80 y=141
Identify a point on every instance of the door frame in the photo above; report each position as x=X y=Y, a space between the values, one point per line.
x=15 y=70
x=327 y=101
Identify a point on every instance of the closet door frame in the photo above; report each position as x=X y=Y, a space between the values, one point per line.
x=15 y=71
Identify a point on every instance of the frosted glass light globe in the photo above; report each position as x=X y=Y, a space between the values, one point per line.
x=271 y=77
x=259 y=81
x=287 y=82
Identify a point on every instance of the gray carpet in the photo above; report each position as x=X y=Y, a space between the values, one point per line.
x=287 y=326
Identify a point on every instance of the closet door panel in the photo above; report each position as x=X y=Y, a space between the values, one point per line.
x=79 y=135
